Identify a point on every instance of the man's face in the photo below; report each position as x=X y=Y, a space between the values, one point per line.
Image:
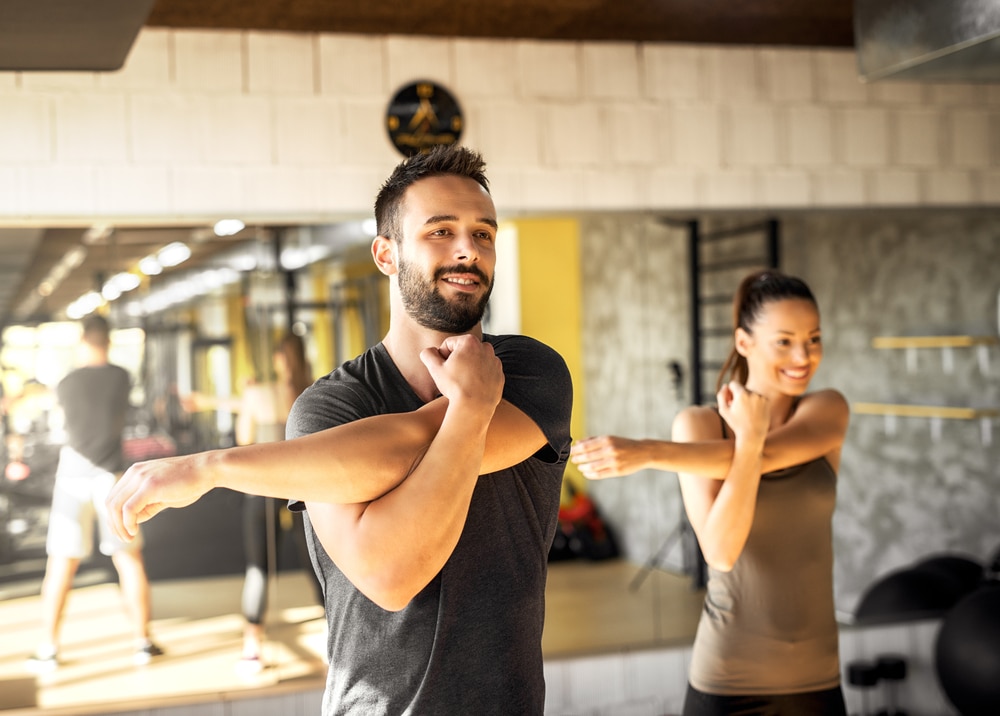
x=447 y=254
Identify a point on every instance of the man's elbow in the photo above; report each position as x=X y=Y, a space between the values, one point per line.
x=720 y=560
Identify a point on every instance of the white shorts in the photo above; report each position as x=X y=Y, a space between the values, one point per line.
x=77 y=501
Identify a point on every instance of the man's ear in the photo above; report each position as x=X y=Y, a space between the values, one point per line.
x=385 y=253
x=743 y=342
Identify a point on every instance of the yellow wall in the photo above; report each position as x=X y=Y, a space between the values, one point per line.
x=549 y=267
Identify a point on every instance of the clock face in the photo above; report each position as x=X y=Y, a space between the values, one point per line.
x=423 y=115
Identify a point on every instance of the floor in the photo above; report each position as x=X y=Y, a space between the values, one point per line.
x=591 y=608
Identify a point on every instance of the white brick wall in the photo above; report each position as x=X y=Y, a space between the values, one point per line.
x=275 y=125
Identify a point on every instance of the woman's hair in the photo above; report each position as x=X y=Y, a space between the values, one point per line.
x=293 y=350
x=754 y=292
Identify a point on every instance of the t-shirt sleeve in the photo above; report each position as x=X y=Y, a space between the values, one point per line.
x=325 y=404
x=538 y=383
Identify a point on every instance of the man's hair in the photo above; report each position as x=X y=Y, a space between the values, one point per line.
x=96 y=331
x=449 y=159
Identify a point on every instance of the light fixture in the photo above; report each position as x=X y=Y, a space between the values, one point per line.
x=173 y=254
x=150 y=266
x=119 y=284
x=86 y=304
x=228 y=227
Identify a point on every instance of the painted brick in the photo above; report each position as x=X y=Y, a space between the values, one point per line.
x=167 y=128
x=548 y=70
x=864 y=137
x=733 y=74
x=308 y=131
x=147 y=65
x=751 y=136
x=59 y=81
x=729 y=189
x=673 y=188
x=895 y=187
x=9 y=80
x=280 y=63
x=551 y=189
x=840 y=188
x=90 y=127
x=990 y=187
x=349 y=189
x=785 y=188
x=239 y=130
x=955 y=93
x=352 y=66
x=573 y=135
x=410 y=59
x=809 y=136
x=950 y=187
x=209 y=60
x=483 y=69
x=896 y=92
x=637 y=134
x=280 y=190
x=26 y=129
x=614 y=189
x=610 y=70
x=917 y=138
x=674 y=71
x=130 y=190
x=366 y=140
x=695 y=136
x=837 y=78
x=58 y=191
x=509 y=134
x=969 y=144
x=11 y=190
x=788 y=75
x=208 y=191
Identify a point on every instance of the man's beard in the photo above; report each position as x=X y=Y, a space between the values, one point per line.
x=425 y=304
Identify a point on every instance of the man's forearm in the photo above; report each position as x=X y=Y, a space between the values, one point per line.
x=355 y=462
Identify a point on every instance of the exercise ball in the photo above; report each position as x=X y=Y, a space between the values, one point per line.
x=967 y=573
x=907 y=594
x=967 y=653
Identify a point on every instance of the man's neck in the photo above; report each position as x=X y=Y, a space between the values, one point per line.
x=93 y=357
x=404 y=342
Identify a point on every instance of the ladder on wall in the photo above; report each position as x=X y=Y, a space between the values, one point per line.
x=718 y=260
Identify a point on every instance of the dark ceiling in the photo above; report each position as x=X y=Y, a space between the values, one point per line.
x=42 y=26
x=771 y=22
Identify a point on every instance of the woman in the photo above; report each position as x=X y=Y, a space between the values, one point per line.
x=758 y=481
x=262 y=410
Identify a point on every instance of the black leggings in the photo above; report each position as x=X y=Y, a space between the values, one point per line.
x=828 y=702
x=255 y=546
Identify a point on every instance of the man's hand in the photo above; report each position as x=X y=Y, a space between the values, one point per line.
x=466 y=371
x=609 y=456
x=148 y=488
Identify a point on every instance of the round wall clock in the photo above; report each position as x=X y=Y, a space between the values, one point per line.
x=423 y=115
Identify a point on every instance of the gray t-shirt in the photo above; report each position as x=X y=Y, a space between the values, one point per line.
x=95 y=403
x=470 y=641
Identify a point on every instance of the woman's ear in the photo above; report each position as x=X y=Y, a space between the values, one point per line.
x=384 y=251
x=743 y=341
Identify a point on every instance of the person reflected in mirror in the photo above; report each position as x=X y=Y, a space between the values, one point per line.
x=430 y=470
x=758 y=476
x=94 y=399
x=261 y=414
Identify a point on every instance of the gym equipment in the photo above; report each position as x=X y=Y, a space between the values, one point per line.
x=863 y=675
x=927 y=589
x=891 y=671
x=967 y=652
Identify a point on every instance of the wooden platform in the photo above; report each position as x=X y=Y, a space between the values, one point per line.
x=590 y=609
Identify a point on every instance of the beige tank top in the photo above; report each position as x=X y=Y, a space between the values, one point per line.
x=768 y=626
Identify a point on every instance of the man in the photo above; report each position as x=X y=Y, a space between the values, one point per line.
x=429 y=468
x=95 y=400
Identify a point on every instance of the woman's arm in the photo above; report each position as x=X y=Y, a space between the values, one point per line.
x=721 y=512
x=816 y=429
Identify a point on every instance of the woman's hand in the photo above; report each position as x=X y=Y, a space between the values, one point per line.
x=609 y=456
x=746 y=412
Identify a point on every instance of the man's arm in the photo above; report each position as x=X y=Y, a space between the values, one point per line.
x=352 y=463
x=815 y=430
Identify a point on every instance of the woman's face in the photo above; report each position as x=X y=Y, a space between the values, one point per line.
x=784 y=348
